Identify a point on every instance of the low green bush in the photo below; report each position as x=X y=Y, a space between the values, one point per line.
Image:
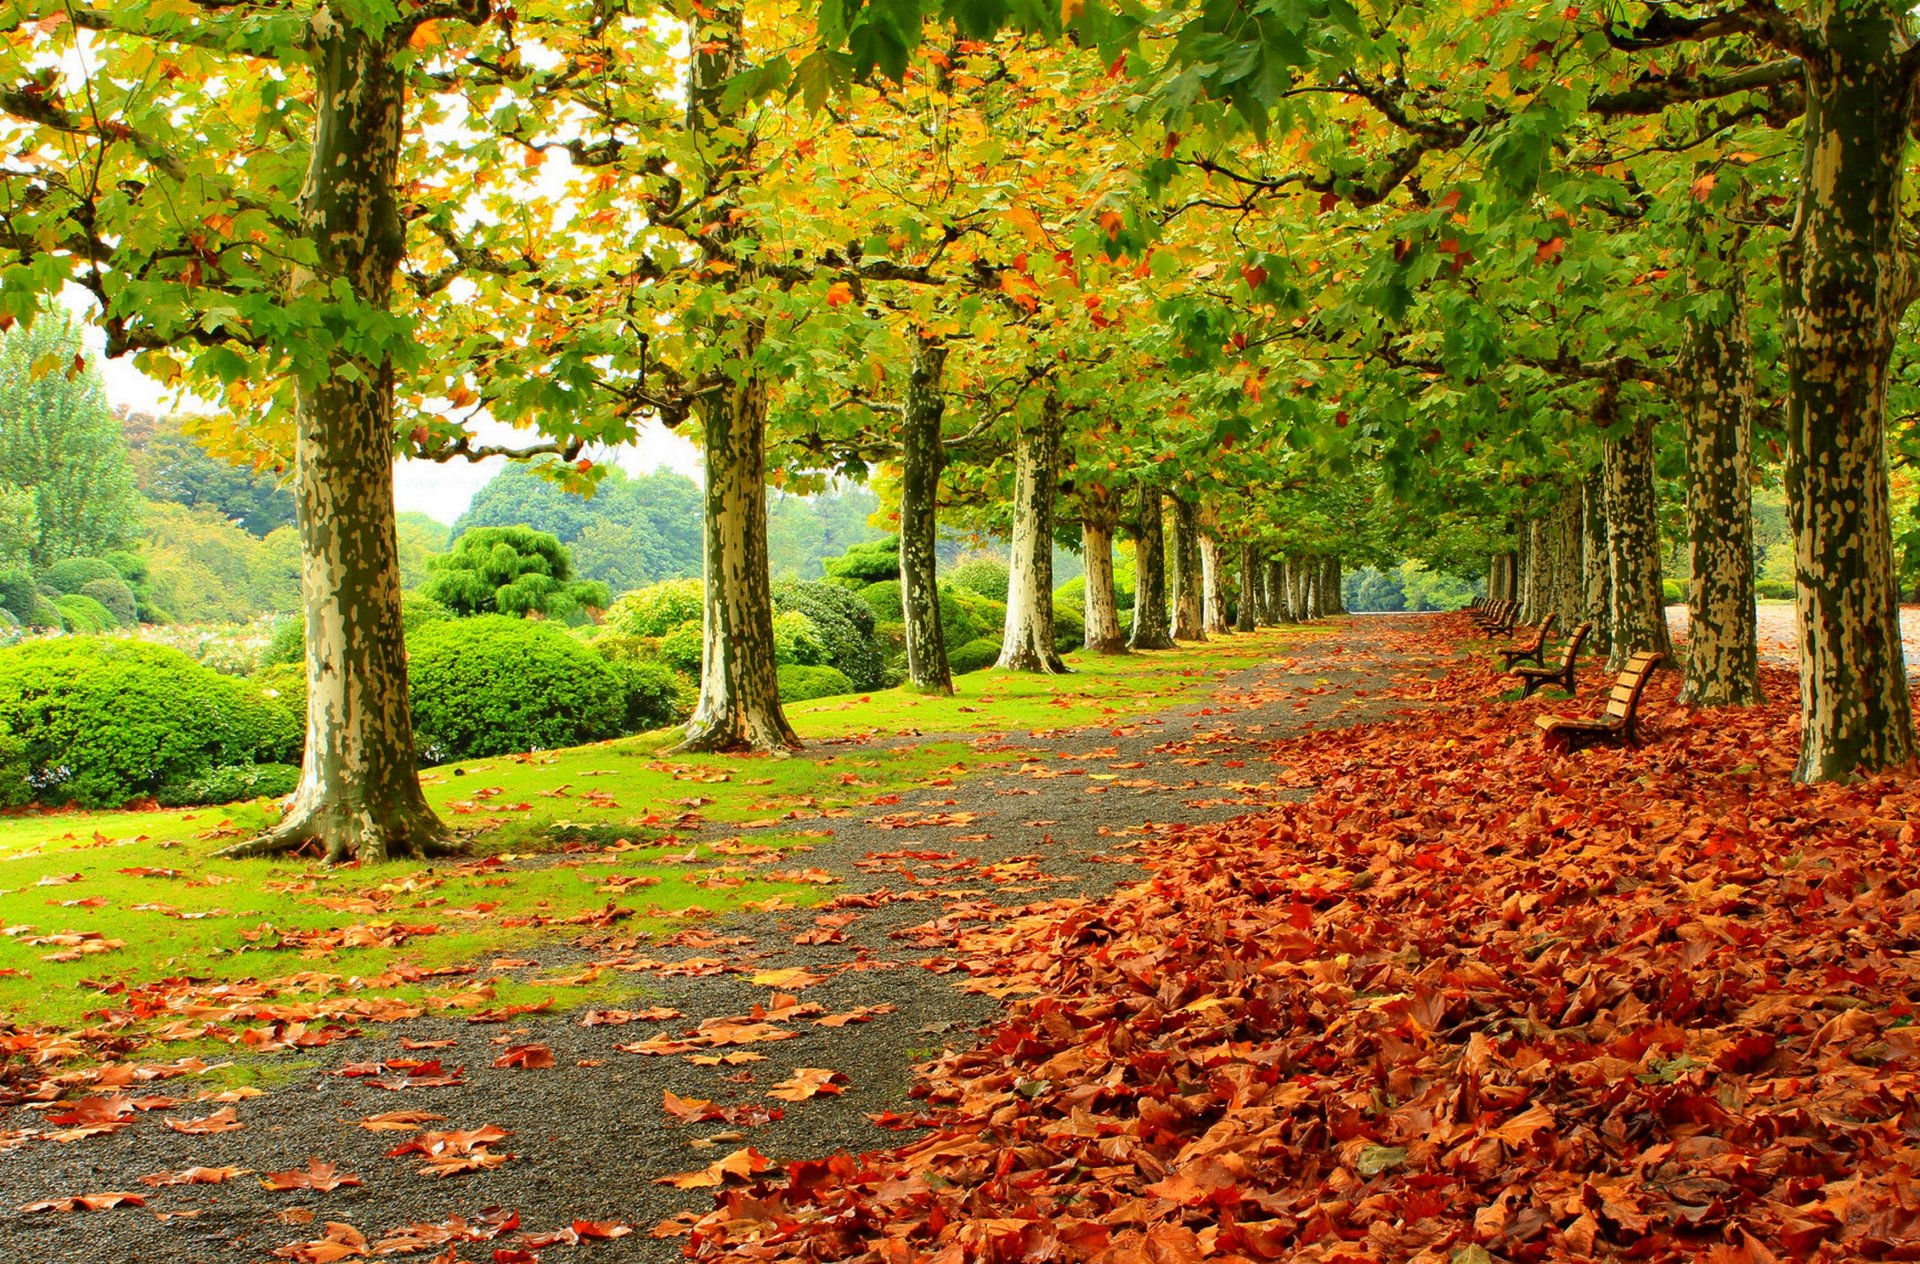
x=1069 y=628
x=1673 y=592
x=885 y=599
x=284 y=683
x=656 y=695
x=105 y=721
x=117 y=597
x=15 y=768
x=985 y=575
x=1773 y=589
x=70 y=575
x=19 y=596
x=656 y=609
x=287 y=643
x=1074 y=593
x=417 y=610
x=870 y=563
x=232 y=783
x=974 y=655
x=965 y=615
x=84 y=615
x=801 y=681
x=842 y=622
x=493 y=684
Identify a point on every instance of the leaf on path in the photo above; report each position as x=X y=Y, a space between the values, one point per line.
x=85 y=1202
x=525 y=1057
x=741 y=1165
x=454 y=1152
x=621 y=1017
x=226 y=1120
x=338 y=1242
x=400 y=1120
x=316 y=1175
x=195 y=1176
x=806 y=1082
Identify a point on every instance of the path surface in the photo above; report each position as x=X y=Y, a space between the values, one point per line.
x=1779 y=634
x=589 y=1135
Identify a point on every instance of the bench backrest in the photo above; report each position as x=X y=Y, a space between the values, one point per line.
x=1546 y=626
x=1628 y=685
x=1574 y=643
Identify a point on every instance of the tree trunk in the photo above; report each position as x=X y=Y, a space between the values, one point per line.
x=1845 y=288
x=921 y=460
x=1335 y=601
x=1028 y=641
x=1723 y=640
x=1213 y=587
x=1639 y=607
x=1247 y=617
x=1186 y=579
x=1150 y=630
x=1596 y=561
x=1569 y=580
x=1309 y=587
x=359 y=794
x=1276 y=584
x=1103 y=634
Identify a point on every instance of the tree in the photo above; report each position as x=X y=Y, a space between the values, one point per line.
x=59 y=443
x=512 y=570
x=169 y=465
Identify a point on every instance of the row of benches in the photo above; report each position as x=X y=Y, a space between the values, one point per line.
x=1618 y=723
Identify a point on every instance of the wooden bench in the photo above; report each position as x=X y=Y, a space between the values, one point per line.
x=1533 y=649
x=1561 y=674
x=1618 y=723
x=1501 y=624
x=1487 y=610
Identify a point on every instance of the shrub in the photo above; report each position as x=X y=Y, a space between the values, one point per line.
x=493 y=684
x=116 y=596
x=656 y=609
x=797 y=640
x=965 y=615
x=18 y=594
x=985 y=575
x=1673 y=592
x=1069 y=629
x=14 y=770
x=287 y=644
x=107 y=720
x=844 y=625
x=974 y=655
x=511 y=570
x=42 y=613
x=873 y=562
x=284 y=683
x=1073 y=593
x=417 y=610
x=890 y=639
x=84 y=615
x=71 y=574
x=1773 y=589
x=656 y=695
x=800 y=681
x=231 y=783
x=681 y=648
x=886 y=600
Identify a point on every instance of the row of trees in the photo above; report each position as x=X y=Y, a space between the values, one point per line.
x=1265 y=295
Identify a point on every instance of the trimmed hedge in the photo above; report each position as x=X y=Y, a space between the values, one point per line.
x=493 y=684
x=19 y=596
x=974 y=655
x=656 y=694
x=870 y=563
x=984 y=575
x=800 y=681
x=84 y=615
x=105 y=721
x=233 y=783
x=656 y=609
x=70 y=575
x=116 y=597
x=843 y=624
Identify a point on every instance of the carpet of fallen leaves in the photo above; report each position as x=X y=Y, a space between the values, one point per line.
x=1466 y=1001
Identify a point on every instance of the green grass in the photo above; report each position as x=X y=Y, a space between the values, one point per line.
x=707 y=835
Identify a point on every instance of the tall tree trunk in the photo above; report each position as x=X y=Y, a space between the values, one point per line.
x=1186 y=580
x=1213 y=586
x=1846 y=286
x=1596 y=561
x=1099 y=515
x=739 y=707
x=1639 y=607
x=1723 y=640
x=1027 y=644
x=1150 y=630
x=1277 y=584
x=1569 y=580
x=1309 y=587
x=921 y=459
x=1247 y=616
x=1333 y=601
x=359 y=794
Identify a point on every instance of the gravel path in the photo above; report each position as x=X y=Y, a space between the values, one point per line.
x=589 y=1135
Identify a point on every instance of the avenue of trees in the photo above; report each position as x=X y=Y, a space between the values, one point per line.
x=1270 y=291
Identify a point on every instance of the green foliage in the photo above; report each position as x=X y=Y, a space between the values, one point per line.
x=511 y=570
x=170 y=466
x=1073 y=593
x=203 y=569
x=871 y=562
x=656 y=609
x=116 y=597
x=1069 y=628
x=14 y=770
x=69 y=575
x=801 y=681
x=105 y=721
x=656 y=694
x=84 y=615
x=421 y=539
x=966 y=615
x=1672 y=592
x=286 y=644
x=492 y=684
x=417 y=610
x=284 y=683
x=984 y=575
x=886 y=599
x=976 y=654
x=19 y=595
x=803 y=531
x=19 y=525
x=59 y=442
x=1408 y=586
x=843 y=624
x=232 y=783
x=633 y=531
x=681 y=649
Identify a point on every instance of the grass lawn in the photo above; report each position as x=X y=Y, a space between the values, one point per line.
x=97 y=906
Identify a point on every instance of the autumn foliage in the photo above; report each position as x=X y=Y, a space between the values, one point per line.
x=1465 y=1001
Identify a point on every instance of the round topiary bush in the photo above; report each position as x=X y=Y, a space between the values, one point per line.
x=232 y=783
x=116 y=596
x=843 y=624
x=656 y=694
x=656 y=609
x=14 y=770
x=70 y=575
x=494 y=684
x=985 y=575
x=84 y=615
x=967 y=616
x=1069 y=628
x=19 y=595
x=106 y=720
x=885 y=600
x=974 y=655
x=801 y=681
x=283 y=683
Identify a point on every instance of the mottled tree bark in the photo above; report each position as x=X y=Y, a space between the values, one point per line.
x=1099 y=515
x=1308 y=586
x=1596 y=561
x=1185 y=577
x=1247 y=616
x=359 y=794
x=1277 y=584
x=1846 y=285
x=921 y=459
x=1213 y=587
x=1332 y=600
x=1569 y=579
x=1639 y=608
x=1716 y=372
x=1027 y=643
x=1150 y=630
